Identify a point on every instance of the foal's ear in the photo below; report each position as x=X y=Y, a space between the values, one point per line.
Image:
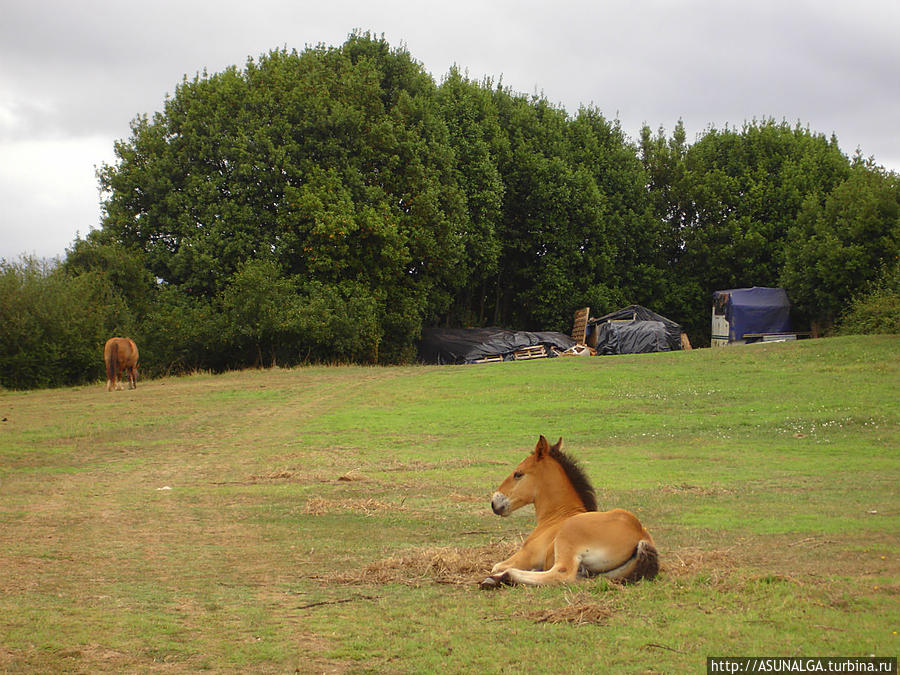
x=558 y=446
x=542 y=447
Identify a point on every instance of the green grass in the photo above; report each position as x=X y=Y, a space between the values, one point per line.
x=337 y=519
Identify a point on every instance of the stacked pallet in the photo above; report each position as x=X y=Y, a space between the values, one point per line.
x=536 y=352
x=579 y=328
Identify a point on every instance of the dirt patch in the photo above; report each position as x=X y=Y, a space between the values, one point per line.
x=318 y=506
x=302 y=477
x=352 y=476
x=717 y=564
x=687 y=488
x=457 y=498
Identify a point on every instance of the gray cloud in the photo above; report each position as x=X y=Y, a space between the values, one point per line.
x=73 y=75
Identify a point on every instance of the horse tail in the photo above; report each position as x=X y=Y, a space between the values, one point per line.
x=112 y=363
x=643 y=564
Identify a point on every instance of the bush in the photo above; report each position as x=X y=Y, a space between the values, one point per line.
x=877 y=311
x=54 y=325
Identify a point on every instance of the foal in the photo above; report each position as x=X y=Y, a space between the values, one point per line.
x=571 y=536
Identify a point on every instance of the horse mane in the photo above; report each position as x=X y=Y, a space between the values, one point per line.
x=577 y=477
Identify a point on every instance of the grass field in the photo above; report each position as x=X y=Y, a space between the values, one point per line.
x=338 y=519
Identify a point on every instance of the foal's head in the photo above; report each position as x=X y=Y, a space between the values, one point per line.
x=543 y=474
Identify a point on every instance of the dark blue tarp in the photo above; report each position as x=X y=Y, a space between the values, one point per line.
x=754 y=310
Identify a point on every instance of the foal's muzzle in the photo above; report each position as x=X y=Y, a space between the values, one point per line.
x=500 y=504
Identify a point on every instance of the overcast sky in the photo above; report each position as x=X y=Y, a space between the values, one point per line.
x=74 y=74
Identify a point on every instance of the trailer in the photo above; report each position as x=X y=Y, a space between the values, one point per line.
x=747 y=315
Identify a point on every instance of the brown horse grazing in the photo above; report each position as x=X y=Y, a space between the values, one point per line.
x=121 y=356
x=571 y=536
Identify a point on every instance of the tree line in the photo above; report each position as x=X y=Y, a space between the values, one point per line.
x=326 y=205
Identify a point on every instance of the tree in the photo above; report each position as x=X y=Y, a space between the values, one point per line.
x=669 y=198
x=335 y=163
x=626 y=245
x=476 y=138
x=124 y=270
x=841 y=244
x=574 y=197
x=735 y=196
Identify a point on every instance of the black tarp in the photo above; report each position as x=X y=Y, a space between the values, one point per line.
x=632 y=337
x=633 y=330
x=468 y=345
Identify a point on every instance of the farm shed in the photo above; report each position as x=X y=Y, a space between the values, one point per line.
x=633 y=330
x=742 y=315
x=483 y=345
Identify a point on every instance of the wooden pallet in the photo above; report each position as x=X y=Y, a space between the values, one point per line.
x=490 y=359
x=579 y=329
x=535 y=352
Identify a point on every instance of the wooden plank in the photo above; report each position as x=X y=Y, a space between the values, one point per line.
x=490 y=359
x=579 y=328
x=759 y=335
x=535 y=352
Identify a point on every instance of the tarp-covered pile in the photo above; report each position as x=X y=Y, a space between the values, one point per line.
x=471 y=345
x=754 y=311
x=633 y=330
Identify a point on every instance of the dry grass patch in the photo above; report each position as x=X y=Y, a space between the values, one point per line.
x=581 y=609
x=318 y=506
x=716 y=564
x=461 y=566
x=302 y=477
x=688 y=488
x=311 y=650
x=457 y=498
x=439 y=564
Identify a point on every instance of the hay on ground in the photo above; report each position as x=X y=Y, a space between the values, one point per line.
x=581 y=609
x=439 y=564
x=318 y=506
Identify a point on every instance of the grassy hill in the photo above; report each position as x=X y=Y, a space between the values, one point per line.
x=338 y=519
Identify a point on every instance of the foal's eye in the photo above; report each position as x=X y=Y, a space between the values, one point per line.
x=518 y=474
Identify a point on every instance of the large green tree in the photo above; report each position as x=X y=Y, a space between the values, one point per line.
x=477 y=140
x=335 y=163
x=728 y=201
x=575 y=229
x=842 y=243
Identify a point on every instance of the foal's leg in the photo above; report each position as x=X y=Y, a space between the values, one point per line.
x=558 y=574
x=563 y=571
x=524 y=558
x=532 y=555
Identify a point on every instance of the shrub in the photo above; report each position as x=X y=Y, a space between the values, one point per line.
x=878 y=310
x=54 y=325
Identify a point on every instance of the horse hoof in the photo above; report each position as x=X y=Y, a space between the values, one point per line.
x=489 y=584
